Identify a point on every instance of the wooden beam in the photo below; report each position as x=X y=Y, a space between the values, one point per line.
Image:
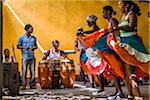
x=1 y=71
x=1 y=30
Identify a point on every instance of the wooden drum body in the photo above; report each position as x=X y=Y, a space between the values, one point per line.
x=67 y=73
x=45 y=74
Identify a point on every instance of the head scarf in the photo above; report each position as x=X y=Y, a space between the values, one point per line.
x=91 y=18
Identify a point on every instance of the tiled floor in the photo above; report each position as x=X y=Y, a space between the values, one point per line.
x=79 y=92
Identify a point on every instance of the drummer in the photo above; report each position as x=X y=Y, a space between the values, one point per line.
x=55 y=53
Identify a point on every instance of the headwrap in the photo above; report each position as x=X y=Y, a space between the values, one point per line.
x=91 y=18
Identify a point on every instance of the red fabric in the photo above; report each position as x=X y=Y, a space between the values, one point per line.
x=91 y=39
x=98 y=69
x=107 y=75
x=115 y=66
x=126 y=57
x=84 y=67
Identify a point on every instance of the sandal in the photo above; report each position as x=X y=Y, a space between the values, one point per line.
x=118 y=96
x=130 y=97
x=138 y=98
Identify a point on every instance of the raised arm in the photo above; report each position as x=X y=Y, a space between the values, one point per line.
x=76 y=45
x=46 y=55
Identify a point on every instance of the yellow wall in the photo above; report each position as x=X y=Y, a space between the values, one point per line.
x=58 y=19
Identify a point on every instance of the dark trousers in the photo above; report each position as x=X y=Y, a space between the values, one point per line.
x=82 y=74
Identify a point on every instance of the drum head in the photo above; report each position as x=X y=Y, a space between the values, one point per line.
x=65 y=61
x=43 y=62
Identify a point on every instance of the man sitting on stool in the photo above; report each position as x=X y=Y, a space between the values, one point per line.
x=54 y=53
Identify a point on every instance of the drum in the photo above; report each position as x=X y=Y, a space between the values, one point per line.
x=45 y=74
x=67 y=73
x=56 y=80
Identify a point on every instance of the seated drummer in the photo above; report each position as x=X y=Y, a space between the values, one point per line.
x=54 y=53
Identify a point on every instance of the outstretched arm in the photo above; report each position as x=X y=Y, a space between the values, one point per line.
x=64 y=54
x=94 y=29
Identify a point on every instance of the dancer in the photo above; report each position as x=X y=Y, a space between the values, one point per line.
x=127 y=48
x=102 y=62
x=91 y=22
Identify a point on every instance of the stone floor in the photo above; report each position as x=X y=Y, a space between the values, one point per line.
x=79 y=92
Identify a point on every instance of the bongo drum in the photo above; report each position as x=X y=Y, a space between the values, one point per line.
x=67 y=73
x=44 y=74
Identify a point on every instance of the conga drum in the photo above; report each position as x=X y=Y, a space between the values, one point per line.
x=44 y=74
x=72 y=70
x=67 y=73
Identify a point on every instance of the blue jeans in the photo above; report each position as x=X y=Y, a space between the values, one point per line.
x=25 y=63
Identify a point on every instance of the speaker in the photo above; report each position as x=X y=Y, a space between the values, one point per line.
x=11 y=77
